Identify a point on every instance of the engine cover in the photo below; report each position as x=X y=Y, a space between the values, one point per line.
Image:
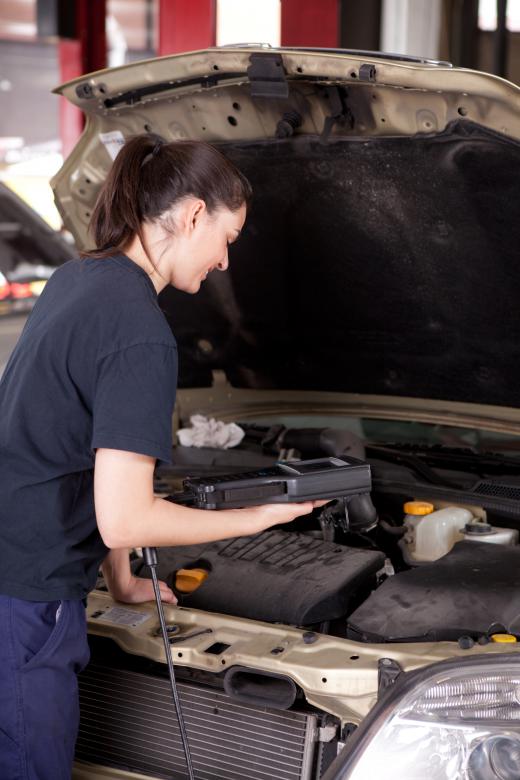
x=473 y=590
x=276 y=576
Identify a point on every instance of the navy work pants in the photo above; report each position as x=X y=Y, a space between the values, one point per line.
x=43 y=646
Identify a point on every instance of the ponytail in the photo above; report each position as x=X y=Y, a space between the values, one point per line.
x=149 y=176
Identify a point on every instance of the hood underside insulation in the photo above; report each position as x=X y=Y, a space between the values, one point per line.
x=385 y=266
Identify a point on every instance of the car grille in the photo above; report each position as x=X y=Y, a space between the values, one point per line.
x=128 y=721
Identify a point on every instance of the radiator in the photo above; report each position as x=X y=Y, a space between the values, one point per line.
x=128 y=721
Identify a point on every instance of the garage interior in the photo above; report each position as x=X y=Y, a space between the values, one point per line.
x=360 y=599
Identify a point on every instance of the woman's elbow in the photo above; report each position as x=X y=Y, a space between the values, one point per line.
x=123 y=495
x=115 y=529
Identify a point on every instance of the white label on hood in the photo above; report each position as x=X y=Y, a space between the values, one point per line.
x=113 y=142
x=124 y=617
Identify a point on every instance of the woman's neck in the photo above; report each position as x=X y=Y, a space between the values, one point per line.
x=135 y=252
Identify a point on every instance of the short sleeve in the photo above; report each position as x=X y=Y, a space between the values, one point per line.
x=134 y=400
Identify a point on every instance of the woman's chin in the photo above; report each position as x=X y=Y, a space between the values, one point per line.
x=189 y=287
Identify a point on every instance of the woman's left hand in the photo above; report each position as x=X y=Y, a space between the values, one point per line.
x=138 y=590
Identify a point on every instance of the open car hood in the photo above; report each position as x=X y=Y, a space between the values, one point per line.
x=381 y=254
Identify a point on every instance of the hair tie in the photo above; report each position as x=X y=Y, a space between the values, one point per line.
x=155 y=151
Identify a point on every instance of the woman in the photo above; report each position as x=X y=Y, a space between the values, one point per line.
x=85 y=411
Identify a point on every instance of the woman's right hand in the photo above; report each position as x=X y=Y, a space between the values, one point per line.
x=259 y=518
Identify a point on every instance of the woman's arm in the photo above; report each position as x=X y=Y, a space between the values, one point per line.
x=129 y=515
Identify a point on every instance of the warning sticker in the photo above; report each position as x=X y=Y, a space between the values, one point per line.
x=113 y=142
x=123 y=617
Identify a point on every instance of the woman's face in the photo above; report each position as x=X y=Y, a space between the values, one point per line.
x=198 y=245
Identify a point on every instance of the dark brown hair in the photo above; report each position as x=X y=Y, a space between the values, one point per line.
x=149 y=176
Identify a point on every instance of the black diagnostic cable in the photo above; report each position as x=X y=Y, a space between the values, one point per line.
x=151 y=560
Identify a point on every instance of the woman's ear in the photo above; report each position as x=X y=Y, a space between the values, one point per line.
x=187 y=215
x=196 y=211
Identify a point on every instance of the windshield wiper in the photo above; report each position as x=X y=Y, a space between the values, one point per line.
x=461 y=458
x=412 y=461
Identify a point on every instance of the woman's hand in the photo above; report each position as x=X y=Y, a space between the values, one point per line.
x=267 y=515
x=123 y=586
x=137 y=590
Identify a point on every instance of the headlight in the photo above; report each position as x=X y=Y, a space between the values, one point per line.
x=453 y=721
x=495 y=757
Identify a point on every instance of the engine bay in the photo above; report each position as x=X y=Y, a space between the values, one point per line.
x=442 y=563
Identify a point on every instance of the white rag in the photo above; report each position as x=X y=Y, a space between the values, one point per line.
x=210 y=433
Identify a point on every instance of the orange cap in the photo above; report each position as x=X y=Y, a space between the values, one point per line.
x=188 y=580
x=503 y=638
x=418 y=508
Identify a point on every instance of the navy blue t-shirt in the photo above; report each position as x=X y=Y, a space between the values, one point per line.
x=95 y=366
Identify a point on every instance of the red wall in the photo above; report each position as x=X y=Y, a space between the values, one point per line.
x=186 y=25
x=310 y=23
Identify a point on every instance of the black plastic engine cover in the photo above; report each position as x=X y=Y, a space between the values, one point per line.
x=472 y=589
x=275 y=576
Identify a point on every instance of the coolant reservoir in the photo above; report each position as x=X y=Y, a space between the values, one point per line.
x=431 y=534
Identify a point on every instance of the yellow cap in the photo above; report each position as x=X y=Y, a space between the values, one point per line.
x=418 y=508
x=188 y=580
x=503 y=638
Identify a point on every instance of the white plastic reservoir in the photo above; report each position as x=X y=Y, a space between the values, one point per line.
x=482 y=532
x=431 y=534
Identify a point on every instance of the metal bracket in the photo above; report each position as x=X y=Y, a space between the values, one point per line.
x=173 y=640
x=267 y=76
x=388 y=671
x=327 y=732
